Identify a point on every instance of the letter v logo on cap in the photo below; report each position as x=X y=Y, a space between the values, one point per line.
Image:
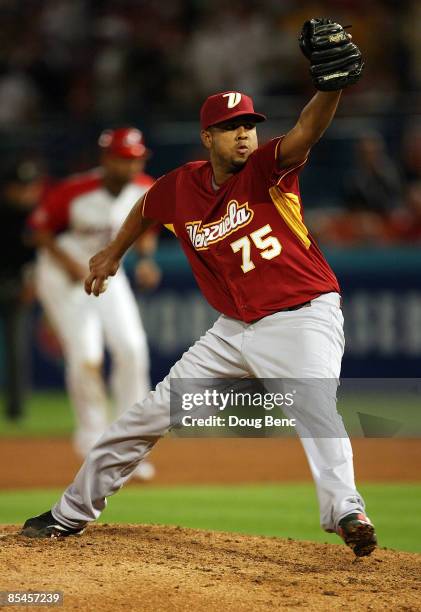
x=234 y=98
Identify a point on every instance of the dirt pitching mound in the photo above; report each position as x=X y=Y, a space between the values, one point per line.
x=151 y=568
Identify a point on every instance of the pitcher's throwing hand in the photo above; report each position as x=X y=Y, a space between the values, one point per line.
x=101 y=266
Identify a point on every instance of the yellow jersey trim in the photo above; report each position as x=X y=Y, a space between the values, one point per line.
x=170 y=227
x=288 y=206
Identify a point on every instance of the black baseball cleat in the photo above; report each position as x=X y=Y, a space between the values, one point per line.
x=46 y=526
x=357 y=531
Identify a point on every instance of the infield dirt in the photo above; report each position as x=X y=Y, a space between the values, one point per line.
x=154 y=568
x=44 y=462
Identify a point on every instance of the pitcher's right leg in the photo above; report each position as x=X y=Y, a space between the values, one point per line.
x=130 y=438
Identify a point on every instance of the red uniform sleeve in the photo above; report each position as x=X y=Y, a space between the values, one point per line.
x=144 y=180
x=53 y=212
x=159 y=201
x=267 y=160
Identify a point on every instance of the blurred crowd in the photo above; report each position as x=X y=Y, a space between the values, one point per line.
x=381 y=196
x=79 y=58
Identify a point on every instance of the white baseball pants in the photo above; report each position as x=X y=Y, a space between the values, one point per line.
x=84 y=326
x=303 y=344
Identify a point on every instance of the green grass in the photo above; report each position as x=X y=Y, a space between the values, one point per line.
x=404 y=410
x=272 y=510
x=47 y=413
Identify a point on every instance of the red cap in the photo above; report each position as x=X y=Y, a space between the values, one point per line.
x=123 y=142
x=227 y=105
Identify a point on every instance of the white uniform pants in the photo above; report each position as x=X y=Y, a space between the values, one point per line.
x=302 y=344
x=84 y=325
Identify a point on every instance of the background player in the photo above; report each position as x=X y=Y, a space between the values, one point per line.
x=239 y=221
x=78 y=217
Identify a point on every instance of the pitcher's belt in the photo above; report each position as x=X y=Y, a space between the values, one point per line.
x=286 y=309
x=297 y=307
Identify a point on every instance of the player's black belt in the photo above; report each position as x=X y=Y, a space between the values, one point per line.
x=287 y=309
x=297 y=307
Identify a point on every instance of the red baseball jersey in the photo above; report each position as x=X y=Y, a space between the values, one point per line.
x=84 y=214
x=247 y=243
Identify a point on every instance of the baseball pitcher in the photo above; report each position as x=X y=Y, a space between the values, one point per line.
x=239 y=219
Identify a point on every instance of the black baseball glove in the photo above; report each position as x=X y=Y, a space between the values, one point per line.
x=336 y=62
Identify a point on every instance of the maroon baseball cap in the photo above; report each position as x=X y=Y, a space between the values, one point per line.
x=123 y=142
x=227 y=105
